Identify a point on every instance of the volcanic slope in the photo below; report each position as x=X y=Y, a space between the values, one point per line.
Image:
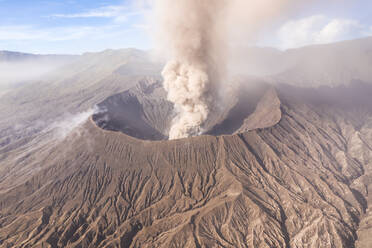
x=302 y=182
x=29 y=112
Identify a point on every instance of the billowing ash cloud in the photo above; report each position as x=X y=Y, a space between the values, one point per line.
x=191 y=31
x=195 y=35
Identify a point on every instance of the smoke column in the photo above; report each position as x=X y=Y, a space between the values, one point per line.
x=192 y=34
x=195 y=37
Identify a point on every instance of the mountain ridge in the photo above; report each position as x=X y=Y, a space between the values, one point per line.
x=12 y=56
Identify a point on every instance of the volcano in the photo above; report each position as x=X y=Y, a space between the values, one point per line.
x=280 y=166
x=301 y=179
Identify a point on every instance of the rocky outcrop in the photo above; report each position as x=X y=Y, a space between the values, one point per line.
x=266 y=114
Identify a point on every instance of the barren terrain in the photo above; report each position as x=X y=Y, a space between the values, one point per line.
x=285 y=166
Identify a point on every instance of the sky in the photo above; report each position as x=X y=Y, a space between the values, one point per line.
x=78 y=26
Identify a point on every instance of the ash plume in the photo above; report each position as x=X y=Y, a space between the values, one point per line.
x=195 y=35
x=191 y=31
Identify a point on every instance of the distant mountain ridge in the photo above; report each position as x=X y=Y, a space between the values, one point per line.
x=10 y=56
x=316 y=65
x=18 y=68
x=330 y=64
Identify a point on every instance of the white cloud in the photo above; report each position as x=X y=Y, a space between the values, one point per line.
x=72 y=39
x=368 y=32
x=27 y=33
x=118 y=12
x=143 y=26
x=107 y=11
x=337 y=29
x=117 y=26
x=318 y=29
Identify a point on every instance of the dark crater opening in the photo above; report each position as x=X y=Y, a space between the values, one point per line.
x=141 y=112
x=144 y=113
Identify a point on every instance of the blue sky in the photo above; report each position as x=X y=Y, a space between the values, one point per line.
x=77 y=26
x=72 y=26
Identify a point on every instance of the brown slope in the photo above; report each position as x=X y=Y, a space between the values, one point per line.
x=30 y=111
x=296 y=184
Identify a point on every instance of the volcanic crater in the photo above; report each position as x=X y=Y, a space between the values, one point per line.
x=143 y=112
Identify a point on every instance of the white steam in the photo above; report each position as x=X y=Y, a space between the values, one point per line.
x=71 y=124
